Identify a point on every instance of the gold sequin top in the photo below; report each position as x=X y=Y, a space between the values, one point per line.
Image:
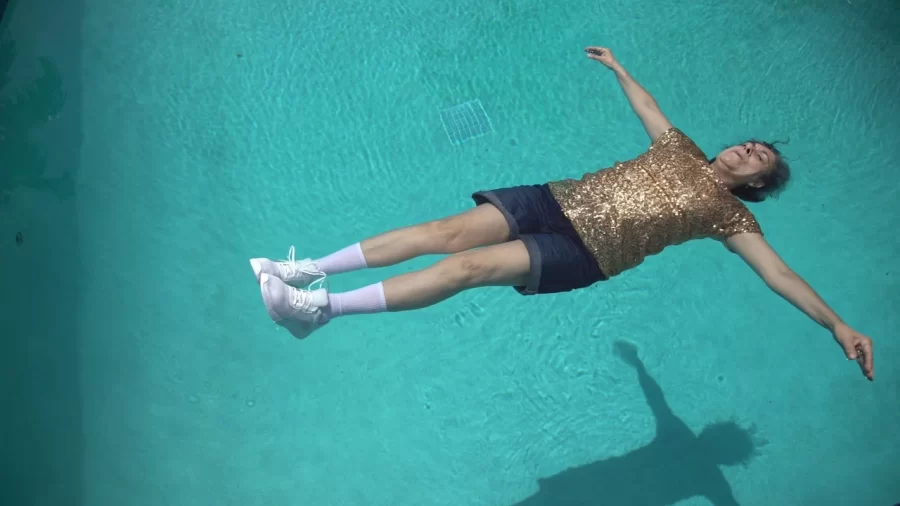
x=664 y=197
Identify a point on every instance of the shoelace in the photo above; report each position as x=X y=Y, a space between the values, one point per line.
x=302 y=300
x=291 y=269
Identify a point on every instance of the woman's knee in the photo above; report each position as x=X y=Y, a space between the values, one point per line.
x=472 y=271
x=483 y=226
x=457 y=271
x=444 y=235
x=504 y=264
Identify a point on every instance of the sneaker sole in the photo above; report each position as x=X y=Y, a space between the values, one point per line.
x=257 y=269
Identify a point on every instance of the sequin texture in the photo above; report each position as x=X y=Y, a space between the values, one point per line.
x=664 y=197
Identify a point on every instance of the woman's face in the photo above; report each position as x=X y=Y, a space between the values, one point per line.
x=745 y=163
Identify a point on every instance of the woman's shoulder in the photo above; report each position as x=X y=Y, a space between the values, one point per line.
x=736 y=217
x=674 y=137
x=672 y=134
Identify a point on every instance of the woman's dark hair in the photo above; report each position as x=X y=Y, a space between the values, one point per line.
x=773 y=182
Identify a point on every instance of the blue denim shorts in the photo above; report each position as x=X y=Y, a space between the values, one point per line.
x=560 y=262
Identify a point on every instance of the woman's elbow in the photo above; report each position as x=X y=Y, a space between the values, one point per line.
x=779 y=277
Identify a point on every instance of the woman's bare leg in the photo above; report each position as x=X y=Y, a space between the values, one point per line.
x=505 y=264
x=482 y=226
x=303 y=311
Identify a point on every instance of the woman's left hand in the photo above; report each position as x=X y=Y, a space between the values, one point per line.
x=857 y=347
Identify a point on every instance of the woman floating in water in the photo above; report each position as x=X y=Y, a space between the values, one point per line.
x=568 y=234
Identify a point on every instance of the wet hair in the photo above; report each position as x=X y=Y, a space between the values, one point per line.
x=773 y=181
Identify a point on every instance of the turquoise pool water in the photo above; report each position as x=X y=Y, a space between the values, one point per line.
x=168 y=142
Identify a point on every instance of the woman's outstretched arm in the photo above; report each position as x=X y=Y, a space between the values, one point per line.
x=760 y=256
x=642 y=103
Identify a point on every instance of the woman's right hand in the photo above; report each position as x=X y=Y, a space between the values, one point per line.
x=602 y=55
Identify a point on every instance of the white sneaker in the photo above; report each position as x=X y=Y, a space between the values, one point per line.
x=299 y=311
x=299 y=274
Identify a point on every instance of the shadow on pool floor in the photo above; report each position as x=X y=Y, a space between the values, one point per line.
x=675 y=466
